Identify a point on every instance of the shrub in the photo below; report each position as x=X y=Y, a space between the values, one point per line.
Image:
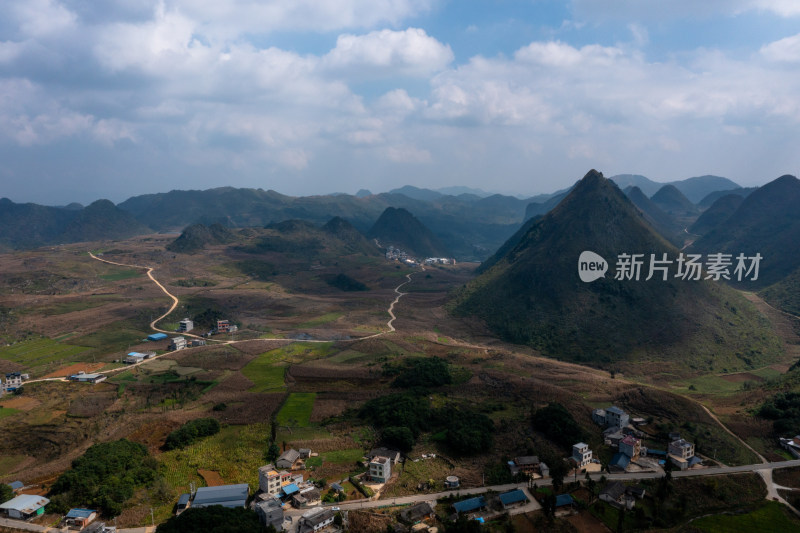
x=190 y=432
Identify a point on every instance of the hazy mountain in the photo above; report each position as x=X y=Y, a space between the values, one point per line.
x=720 y=211
x=766 y=222
x=197 y=236
x=673 y=202
x=31 y=225
x=533 y=295
x=693 y=188
x=416 y=193
x=667 y=226
x=534 y=209
x=363 y=193
x=401 y=229
x=459 y=190
x=712 y=197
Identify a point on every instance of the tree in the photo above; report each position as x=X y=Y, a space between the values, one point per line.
x=557 y=424
x=549 y=506
x=272 y=453
x=6 y=493
x=400 y=437
x=214 y=519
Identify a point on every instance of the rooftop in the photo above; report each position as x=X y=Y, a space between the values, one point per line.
x=225 y=495
x=564 y=499
x=25 y=503
x=471 y=504
x=514 y=496
x=80 y=513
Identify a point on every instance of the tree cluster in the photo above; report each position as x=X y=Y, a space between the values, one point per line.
x=784 y=410
x=104 y=477
x=214 y=519
x=555 y=422
x=190 y=432
x=427 y=372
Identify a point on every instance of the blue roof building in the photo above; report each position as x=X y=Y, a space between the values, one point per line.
x=290 y=489
x=225 y=495
x=157 y=337
x=337 y=487
x=80 y=513
x=472 y=504
x=619 y=462
x=563 y=500
x=512 y=497
x=656 y=453
x=16 y=485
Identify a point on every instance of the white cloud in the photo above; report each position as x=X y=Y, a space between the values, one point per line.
x=42 y=18
x=410 y=52
x=785 y=50
x=655 y=10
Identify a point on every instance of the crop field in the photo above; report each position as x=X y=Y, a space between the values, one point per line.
x=771 y=516
x=296 y=411
x=343 y=456
x=266 y=372
x=7 y=411
x=121 y=275
x=34 y=354
x=320 y=320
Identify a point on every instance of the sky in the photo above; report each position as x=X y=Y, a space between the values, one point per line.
x=118 y=98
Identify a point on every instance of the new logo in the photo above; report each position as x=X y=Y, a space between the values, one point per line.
x=591 y=266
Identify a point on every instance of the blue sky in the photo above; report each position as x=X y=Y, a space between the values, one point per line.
x=123 y=97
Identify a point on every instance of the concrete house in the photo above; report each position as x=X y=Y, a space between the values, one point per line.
x=611 y=417
x=88 y=378
x=315 y=519
x=13 y=381
x=630 y=446
x=416 y=513
x=513 y=498
x=581 y=454
x=392 y=455
x=270 y=512
x=288 y=458
x=269 y=479
x=614 y=494
x=380 y=469
x=80 y=518
x=24 y=506
x=177 y=343
x=185 y=325
x=681 y=454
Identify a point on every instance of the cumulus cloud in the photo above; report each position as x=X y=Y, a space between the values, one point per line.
x=785 y=50
x=410 y=52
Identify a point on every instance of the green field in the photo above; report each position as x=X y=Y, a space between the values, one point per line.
x=296 y=411
x=266 y=373
x=771 y=516
x=9 y=462
x=320 y=320
x=7 y=411
x=709 y=384
x=36 y=353
x=350 y=455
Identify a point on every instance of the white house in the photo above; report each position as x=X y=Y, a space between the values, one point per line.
x=315 y=519
x=380 y=469
x=581 y=454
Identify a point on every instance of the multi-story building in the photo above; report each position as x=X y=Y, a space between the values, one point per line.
x=581 y=454
x=380 y=469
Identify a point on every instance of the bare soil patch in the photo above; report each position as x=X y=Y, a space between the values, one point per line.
x=69 y=370
x=23 y=403
x=584 y=522
x=741 y=377
x=212 y=478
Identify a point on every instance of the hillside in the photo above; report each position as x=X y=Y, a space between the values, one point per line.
x=712 y=197
x=197 y=236
x=401 y=229
x=720 y=211
x=534 y=296
x=766 y=222
x=670 y=200
x=667 y=226
x=785 y=294
x=695 y=189
x=31 y=225
x=354 y=241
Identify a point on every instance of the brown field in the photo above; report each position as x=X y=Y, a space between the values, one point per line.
x=211 y=478
x=74 y=369
x=23 y=403
x=741 y=377
x=584 y=522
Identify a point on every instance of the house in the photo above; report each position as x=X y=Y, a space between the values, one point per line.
x=223 y=326
x=88 y=378
x=134 y=358
x=183 y=503
x=270 y=480
x=681 y=454
x=451 y=482
x=619 y=462
x=581 y=454
x=636 y=491
x=470 y=505
x=185 y=325
x=564 y=500
x=224 y=495
x=513 y=498
x=157 y=337
x=289 y=490
x=80 y=518
x=614 y=494
x=416 y=513
x=177 y=343
x=16 y=486
x=270 y=512
x=392 y=455
x=612 y=436
x=630 y=446
x=527 y=464
x=380 y=469
x=336 y=487
x=315 y=519
x=288 y=458
x=791 y=445
x=311 y=495
x=13 y=381
x=305 y=453
x=610 y=417
x=24 y=506
x=197 y=342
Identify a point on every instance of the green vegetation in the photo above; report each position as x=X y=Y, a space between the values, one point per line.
x=105 y=477
x=266 y=373
x=296 y=410
x=192 y=282
x=785 y=294
x=197 y=236
x=771 y=516
x=346 y=283
x=37 y=353
x=6 y=493
x=191 y=432
x=558 y=425
x=7 y=411
x=350 y=455
x=214 y=519
x=320 y=320
x=784 y=410
x=424 y=372
x=257 y=269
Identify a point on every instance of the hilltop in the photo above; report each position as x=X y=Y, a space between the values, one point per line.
x=197 y=236
x=401 y=229
x=533 y=295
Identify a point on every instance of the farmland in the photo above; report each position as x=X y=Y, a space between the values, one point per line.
x=296 y=412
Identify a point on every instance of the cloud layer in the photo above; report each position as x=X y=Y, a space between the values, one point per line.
x=132 y=98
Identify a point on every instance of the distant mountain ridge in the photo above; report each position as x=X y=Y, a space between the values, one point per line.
x=695 y=189
x=399 y=228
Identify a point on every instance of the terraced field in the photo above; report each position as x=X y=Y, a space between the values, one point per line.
x=38 y=354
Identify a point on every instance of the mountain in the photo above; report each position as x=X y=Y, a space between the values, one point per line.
x=534 y=209
x=399 y=228
x=31 y=225
x=785 y=294
x=697 y=188
x=712 y=197
x=667 y=226
x=363 y=193
x=533 y=294
x=646 y=185
x=720 y=211
x=673 y=202
x=354 y=241
x=416 y=193
x=459 y=190
x=197 y=236
x=766 y=222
